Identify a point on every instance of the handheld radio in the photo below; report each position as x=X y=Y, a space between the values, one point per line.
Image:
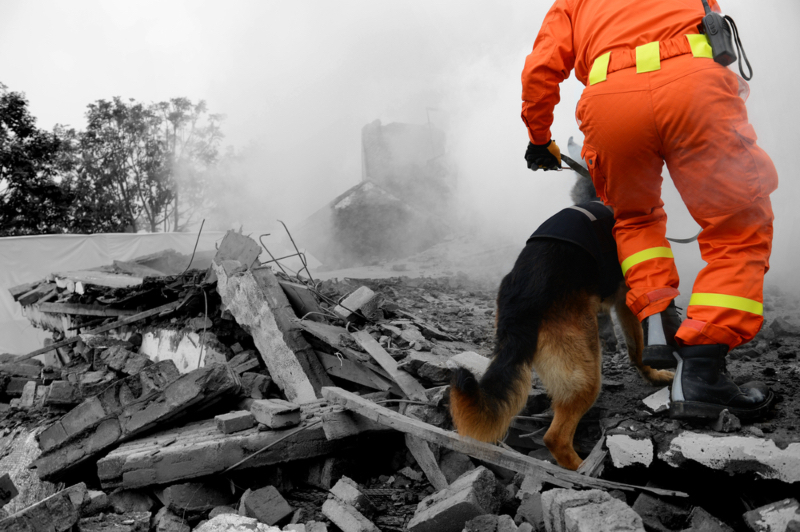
x=721 y=36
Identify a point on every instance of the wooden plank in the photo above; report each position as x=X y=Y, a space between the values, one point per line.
x=593 y=465
x=477 y=449
x=352 y=372
x=109 y=280
x=139 y=270
x=82 y=310
x=119 y=323
x=427 y=461
x=336 y=337
x=40 y=293
x=20 y=289
x=410 y=386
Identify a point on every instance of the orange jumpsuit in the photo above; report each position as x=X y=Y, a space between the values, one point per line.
x=647 y=104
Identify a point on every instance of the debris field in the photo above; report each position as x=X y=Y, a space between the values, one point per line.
x=239 y=397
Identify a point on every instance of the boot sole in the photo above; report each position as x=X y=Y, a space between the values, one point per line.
x=659 y=357
x=696 y=410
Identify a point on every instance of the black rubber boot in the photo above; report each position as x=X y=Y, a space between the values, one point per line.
x=659 y=338
x=702 y=388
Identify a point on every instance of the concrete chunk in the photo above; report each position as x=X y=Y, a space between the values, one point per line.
x=57 y=513
x=353 y=303
x=346 y=517
x=626 y=451
x=166 y=521
x=234 y=421
x=234 y=523
x=659 y=401
x=266 y=505
x=276 y=413
x=588 y=508
x=659 y=514
x=348 y=492
x=7 y=489
x=775 y=517
x=471 y=495
x=120 y=419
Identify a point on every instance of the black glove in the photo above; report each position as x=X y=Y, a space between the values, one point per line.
x=545 y=156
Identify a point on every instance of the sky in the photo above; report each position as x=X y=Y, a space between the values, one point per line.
x=298 y=80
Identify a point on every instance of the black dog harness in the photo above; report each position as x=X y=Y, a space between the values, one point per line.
x=589 y=226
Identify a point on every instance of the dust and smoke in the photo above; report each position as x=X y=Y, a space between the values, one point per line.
x=298 y=80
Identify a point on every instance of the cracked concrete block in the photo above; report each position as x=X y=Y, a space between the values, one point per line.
x=470 y=360
x=454 y=464
x=530 y=511
x=57 y=513
x=471 y=495
x=234 y=421
x=348 y=492
x=353 y=302
x=776 y=517
x=194 y=497
x=266 y=504
x=426 y=366
x=735 y=454
x=626 y=451
x=234 y=523
x=347 y=517
x=591 y=510
x=276 y=413
x=609 y=516
x=97 y=502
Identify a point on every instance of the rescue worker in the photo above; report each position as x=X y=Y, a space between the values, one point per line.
x=653 y=95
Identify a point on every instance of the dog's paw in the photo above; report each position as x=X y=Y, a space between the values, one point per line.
x=657 y=377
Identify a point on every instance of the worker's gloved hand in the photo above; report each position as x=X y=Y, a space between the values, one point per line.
x=545 y=156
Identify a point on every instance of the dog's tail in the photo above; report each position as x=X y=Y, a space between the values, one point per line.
x=484 y=410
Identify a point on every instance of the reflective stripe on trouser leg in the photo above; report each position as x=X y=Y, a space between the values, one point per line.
x=647 y=254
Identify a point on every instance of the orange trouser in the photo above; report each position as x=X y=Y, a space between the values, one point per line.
x=688 y=114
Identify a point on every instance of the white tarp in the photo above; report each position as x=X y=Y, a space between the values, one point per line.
x=30 y=258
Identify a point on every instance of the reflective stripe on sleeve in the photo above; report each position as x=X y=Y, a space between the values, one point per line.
x=599 y=70
x=700 y=46
x=647 y=254
x=648 y=57
x=726 y=301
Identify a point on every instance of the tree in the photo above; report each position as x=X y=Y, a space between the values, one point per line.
x=152 y=159
x=32 y=200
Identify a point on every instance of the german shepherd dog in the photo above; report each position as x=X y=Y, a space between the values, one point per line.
x=546 y=321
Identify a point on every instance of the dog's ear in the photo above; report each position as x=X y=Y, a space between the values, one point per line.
x=583 y=191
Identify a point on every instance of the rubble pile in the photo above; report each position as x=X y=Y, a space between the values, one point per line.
x=240 y=398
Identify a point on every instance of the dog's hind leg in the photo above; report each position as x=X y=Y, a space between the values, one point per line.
x=632 y=329
x=568 y=361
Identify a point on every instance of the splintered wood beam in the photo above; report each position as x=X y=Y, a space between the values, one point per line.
x=482 y=451
x=82 y=310
x=593 y=465
x=410 y=386
x=119 y=323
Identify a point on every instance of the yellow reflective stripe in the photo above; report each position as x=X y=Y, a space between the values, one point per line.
x=647 y=254
x=700 y=46
x=722 y=300
x=648 y=57
x=599 y=69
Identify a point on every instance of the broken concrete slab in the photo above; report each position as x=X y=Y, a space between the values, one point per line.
x=57 y=513
x=346 y=517
x=193 y=497
x=735 y=454
x=659 y=401
x=117 y=420
x=775 y=517
x=448 y=510
x=234 y=523
x=427 y=366
x=234 y=421
x=567 y=510
x=470 y=360
x=18 y=369
x=658 y=514
x=275 y=413
x=347 y=491
x=626 y=450
x=238 y=247
x=199 y=449
x=252 y=303
x=62 y=393
x=266 y=504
